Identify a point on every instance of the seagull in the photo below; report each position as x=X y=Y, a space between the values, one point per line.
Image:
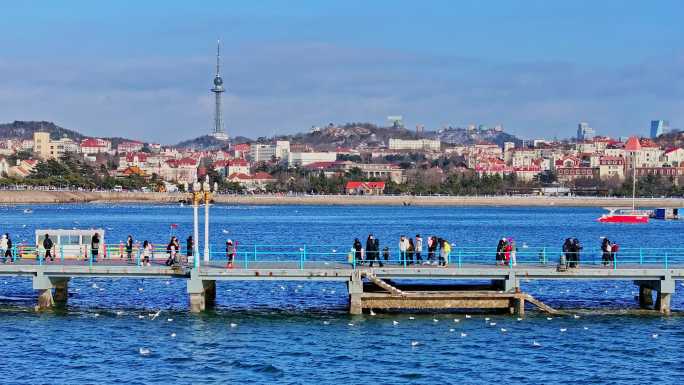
x=155 y=315
x=586 y=328
x=467 y=316
x=435 y=320
x=492 y=324
x=119 y=312
x=520 y=319
x=168 y=283
x=169 y=320
x=173 y=335
x=463 y=335
x=140 y=289
x=233 y=325
x=372 y=312
x=549 y=318
x=563 y=330
x=224 y=231
x=144 y=351
x=412 y=317
x=486 y=319
x=395 y=323
x=141 y=316
x=326 y=323
x=457 y=320
x=503 y=330
x=654 y=335
x=350 y=324
x=97 y=314
x=535 y=343
x=415 y=343
x=94 y=286
x=576 y=316
x=452 y=330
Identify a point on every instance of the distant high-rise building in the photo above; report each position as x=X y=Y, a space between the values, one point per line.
x=584 y=132
x=219 y=132
x=659 y=127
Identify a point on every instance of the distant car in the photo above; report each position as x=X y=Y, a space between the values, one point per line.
x=144 y=189
x=117 y=189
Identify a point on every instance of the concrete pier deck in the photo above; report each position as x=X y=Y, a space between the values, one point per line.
x=50 y=280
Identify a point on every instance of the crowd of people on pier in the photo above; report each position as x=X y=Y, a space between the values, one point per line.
x=432 y=250
x=410 y=251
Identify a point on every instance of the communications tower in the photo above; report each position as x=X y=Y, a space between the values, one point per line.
x=219 y=132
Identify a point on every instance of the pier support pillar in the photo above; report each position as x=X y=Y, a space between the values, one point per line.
x=664 y=289
x=355 y=287
x=44 y=285
x=645 y=297
x=520 y=307
x=201 y=294
x=509 y=284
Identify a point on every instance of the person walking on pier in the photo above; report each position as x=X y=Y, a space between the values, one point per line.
x=409 y=251
x=47 y=245
x=3 y=247
x=95 y=246
x=607 y=251
x=8 y=253
x=129 y=249
x=230 y=254
x=189 y=245
x=431 y=246
x=444 y=251
x=403 y=245
x=500 y=251
x=357 y=251
x=146 y=253
x=419 y=249
x=385 y=254
x=373 y=250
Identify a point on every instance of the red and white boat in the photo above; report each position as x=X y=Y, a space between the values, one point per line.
x=624 y=216
x=618 y=215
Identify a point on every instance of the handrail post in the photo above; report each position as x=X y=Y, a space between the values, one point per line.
x=459 y=258
x=305 y=252
x=255 y=252
x=641 y=256
x=354 y=260
x=40 y=256
x=247 y=257
x=61 y=253
x=544 y=261
x=301 y=259
x=403 y=257
x=615 y=257
x=666 y=262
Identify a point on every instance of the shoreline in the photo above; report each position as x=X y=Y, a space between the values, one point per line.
x=61 y=197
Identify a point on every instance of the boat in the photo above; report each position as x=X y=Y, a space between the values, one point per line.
x=617 y=215
x=620 y=215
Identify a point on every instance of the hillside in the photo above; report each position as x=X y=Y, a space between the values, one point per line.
x=354 y=135
x=25 y=129
x=462 y=136
x=205 y=142
x=671 y=139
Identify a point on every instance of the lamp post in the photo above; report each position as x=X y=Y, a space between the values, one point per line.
x=196 y=198
x=206 y=187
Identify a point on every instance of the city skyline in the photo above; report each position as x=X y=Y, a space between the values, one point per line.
x=291 y=68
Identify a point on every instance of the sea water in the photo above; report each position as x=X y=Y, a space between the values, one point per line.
x=139 y=330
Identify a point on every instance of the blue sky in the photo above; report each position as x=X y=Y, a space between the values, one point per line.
x=144 y=69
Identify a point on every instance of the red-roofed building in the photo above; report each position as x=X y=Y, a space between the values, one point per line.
x=95 y=146
x=229 y=167
x=674 y=157
x=129 y=146
x=365 y=188
x=241 y=150
x=612 y=167
x=257 y=181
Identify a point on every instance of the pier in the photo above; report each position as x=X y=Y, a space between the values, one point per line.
x=470 y=281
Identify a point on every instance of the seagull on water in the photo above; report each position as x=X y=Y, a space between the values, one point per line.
x=412 y=317
x=415 y=343
x=155 y=315
x=654 y=335
x=372 y=312
x=326 y=323
x=233 y=325
x=144 y=351
x=452 y=330
x=464 y=335
x=457 y=320
x=563 y=330
x=486 y=319
x=549 y=318
x=467 y=316
x=173 y=335
x=520 y=319
x=169 y=320
x=576 y=316
x=503 y=330
x=395 y=323
x=350 y=324
x=435 y=320
x=492 y=324
x=535 y=343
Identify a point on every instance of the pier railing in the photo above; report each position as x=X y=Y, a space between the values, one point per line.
x=322 y=256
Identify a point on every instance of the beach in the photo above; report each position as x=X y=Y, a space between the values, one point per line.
x=43 y=197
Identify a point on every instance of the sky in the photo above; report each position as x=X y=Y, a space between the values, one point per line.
x=143 y=69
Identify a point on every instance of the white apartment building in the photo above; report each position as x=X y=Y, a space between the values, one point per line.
x=261 y=152
x=297 y=159
x=415 y=144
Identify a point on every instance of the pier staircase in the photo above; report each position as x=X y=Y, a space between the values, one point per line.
x=384 y=285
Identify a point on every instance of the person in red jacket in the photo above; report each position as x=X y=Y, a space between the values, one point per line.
x=507 y=253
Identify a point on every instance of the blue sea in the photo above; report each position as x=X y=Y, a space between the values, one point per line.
x=300 y=332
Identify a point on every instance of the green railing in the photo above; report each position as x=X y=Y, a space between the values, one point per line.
x=321 y=256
